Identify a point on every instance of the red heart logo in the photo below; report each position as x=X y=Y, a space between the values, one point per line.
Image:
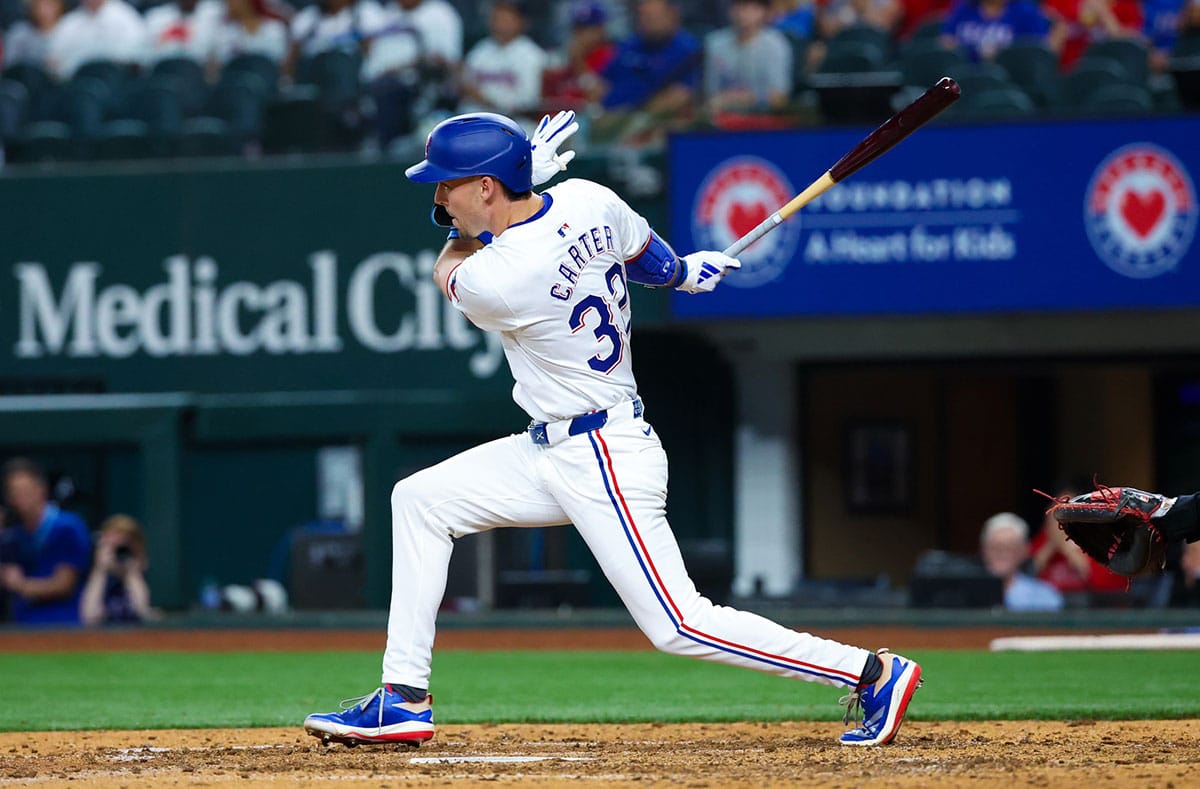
x=744 y=218
x=1141 y=211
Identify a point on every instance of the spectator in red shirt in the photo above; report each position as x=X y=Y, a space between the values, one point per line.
x=1064 y=564
x=1077 y=23
x=589 y=50
x=918 y=12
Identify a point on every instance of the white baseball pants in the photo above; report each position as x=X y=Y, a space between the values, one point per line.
x=611 y=484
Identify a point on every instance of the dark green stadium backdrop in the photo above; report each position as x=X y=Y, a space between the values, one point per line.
x=252 y=314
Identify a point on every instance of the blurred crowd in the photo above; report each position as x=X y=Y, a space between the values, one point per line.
x=54 y=571
x=380 y=73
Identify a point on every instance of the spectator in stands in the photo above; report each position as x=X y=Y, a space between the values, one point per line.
x=837 y=15
x=28 y=40
x=747 y=66
x=96 y=30
x=917 y=13
x=651 y=83
x=576 y=80
x=981 y=28
x=1186 y=587
x=796 y=18
x=1077 y=23
x=116 y=590
x=414 y=54
x=331 y=24
x=1004 y=548
x=183 y=28
x=1163 y=19
x=1064 y=564
x=47 y=550
x=250 y=27
x=503 y=72
x=1189 y=22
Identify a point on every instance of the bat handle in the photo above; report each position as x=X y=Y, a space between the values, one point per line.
x=764 y=227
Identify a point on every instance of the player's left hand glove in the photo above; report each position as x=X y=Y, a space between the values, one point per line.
x=1115 y=526
x=705 y=269
x=546 y=161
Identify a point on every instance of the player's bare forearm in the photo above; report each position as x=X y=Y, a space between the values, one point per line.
x=456 y=251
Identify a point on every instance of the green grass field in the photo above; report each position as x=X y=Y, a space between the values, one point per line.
x=140 y=690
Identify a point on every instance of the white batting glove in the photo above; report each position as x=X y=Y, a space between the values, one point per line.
x=551 y=132
x=705 y=269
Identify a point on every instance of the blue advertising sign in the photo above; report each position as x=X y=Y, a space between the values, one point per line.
x=1037 y=216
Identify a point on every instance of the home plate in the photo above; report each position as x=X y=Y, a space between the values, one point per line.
x=495 y=759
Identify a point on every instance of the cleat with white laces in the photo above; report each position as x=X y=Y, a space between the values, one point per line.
x=380 y=717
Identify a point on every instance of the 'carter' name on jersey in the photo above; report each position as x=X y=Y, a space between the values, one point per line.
x=586 y=248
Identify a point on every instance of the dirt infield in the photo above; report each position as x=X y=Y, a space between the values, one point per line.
x=1081 y=753
x=948 y=754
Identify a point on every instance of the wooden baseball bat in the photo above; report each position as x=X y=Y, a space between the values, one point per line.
x=874 y=145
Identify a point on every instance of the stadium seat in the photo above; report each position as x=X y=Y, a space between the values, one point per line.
x=1119 y=100
x=121 y=140
x=863 y=34
x=14 y=108
x=1165 y=94
x=1133 y=55
x=1088 y=76
x=1034 y=68
x=980 y=77
x=38 y=83
x=994 y=102
x=923 y=65
x=189 y=76
x=82 y=104
x=929 y=30
x=45 y=141
x=116 y=77
x=237 y=100
x=260 y=66
x=206 y=136
x=1187 y=45
x=335 y=74
x=158 y=104
x=852 y=57
x=799 y=46
x=295 y=122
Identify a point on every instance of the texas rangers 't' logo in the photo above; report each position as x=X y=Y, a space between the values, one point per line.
x=1140 y=211
x=737 y=195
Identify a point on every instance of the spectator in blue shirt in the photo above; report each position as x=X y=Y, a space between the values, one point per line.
x=47 y=551
x=1004 y=547
x=984 y=27
x=656 y=72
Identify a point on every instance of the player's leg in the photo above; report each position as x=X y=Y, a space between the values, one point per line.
x=492 y=485
x=613 y=487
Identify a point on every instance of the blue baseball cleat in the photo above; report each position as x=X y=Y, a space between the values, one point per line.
x=379 y=717
x=882 y=704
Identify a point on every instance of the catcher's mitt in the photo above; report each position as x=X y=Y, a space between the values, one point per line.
x=1115 y=526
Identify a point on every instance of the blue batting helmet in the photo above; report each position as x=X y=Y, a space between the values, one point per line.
x=481 y=143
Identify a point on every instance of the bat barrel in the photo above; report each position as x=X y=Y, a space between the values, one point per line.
x=897 y=127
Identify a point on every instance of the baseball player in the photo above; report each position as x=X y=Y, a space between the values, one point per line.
x=550 y=273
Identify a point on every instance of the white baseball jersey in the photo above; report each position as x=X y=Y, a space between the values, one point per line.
x=507 y=75
x=554 y=288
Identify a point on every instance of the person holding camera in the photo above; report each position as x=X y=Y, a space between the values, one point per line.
x=116 y=590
